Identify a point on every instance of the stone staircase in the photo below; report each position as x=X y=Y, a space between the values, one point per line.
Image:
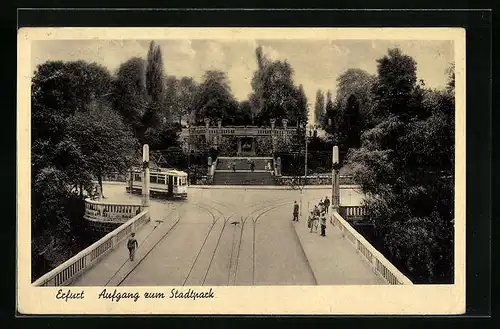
x=224 y=174
x=243 y=178
x=241 y=163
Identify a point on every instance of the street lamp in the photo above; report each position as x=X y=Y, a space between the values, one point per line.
x=335 y=179
x=307 y=129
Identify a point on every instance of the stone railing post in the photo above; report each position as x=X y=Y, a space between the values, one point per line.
x=207 y=125
x=210 y=168
x=273 y=138
x=219 y=134
x=145 y=180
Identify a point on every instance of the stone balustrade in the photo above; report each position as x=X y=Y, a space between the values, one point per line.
x=316 y=180
x=352 y=211
x=240 y=131
x=99 y=211
x=71 y=269
x=378 y=262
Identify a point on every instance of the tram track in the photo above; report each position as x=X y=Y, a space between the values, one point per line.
x=262 y=210
x=214 y=221
x=219 y=237
x=236 y=261
x=143 y=240
x=236 y=242
x=162 y=239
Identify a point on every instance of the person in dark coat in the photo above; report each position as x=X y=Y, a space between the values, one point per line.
x=327 y=204
x=323 y=223
x=295 y=212
x=132 y=245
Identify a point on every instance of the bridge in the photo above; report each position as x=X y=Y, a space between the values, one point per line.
x=224 y=235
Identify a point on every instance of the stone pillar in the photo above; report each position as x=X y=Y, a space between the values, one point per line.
x=284 y=122
x=335 y=179
x=219 y=134
x=273 y=137
x=253 y=146
x=210 y=165
x=278 y=166
x=145 y=177
x=239 y=146
x=207 y=135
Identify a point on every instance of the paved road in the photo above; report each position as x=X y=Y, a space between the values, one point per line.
x=216 y=237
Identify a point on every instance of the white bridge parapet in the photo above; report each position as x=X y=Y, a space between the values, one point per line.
x=379 y=263
x=71 y=269
x=99 y=211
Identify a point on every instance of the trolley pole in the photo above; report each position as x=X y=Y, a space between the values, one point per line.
x=335 y=180
x=145 y=177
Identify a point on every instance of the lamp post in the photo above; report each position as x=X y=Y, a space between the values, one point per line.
x=305 y=160
x=145 y=177
x=335 y=180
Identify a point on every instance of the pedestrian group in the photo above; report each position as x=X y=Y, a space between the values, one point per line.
x=318 y=214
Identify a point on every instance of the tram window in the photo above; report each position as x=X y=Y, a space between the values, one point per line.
x=161 y=179
x=175 y=180
x=153 y=178
x=137 y=177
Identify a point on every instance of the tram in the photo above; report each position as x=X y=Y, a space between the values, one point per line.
x=163 y=182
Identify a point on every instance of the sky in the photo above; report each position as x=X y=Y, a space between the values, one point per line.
x=316 y=63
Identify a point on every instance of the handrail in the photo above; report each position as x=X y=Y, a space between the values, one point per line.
x=378 y=262
x=68 y=271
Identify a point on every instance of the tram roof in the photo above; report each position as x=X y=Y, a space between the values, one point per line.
x=168 y=171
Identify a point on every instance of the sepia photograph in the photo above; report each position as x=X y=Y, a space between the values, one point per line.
x=187 y=164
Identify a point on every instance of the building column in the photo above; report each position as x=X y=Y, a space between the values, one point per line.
x=253 y=146
x=239 y=146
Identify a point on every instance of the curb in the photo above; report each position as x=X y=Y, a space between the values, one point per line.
x=269 y=187
x=252 y=187
x=304 y=252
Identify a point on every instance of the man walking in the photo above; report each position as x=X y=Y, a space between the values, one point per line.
x=132 y=244
x=323 y=223
x=295 y=212
x=327 y=204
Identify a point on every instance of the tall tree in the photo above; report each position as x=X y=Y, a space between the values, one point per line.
x=274 y=94
x=404 y=166
x=299 y=113
x=358 y=83
x=68 y=101
x=243 y=115
x=130 y=95
x=256 y=98
x=214 y=99
x=331 y=118
x=155 y=87
x=353 y=123
x=107 y=144
x=319 y=107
